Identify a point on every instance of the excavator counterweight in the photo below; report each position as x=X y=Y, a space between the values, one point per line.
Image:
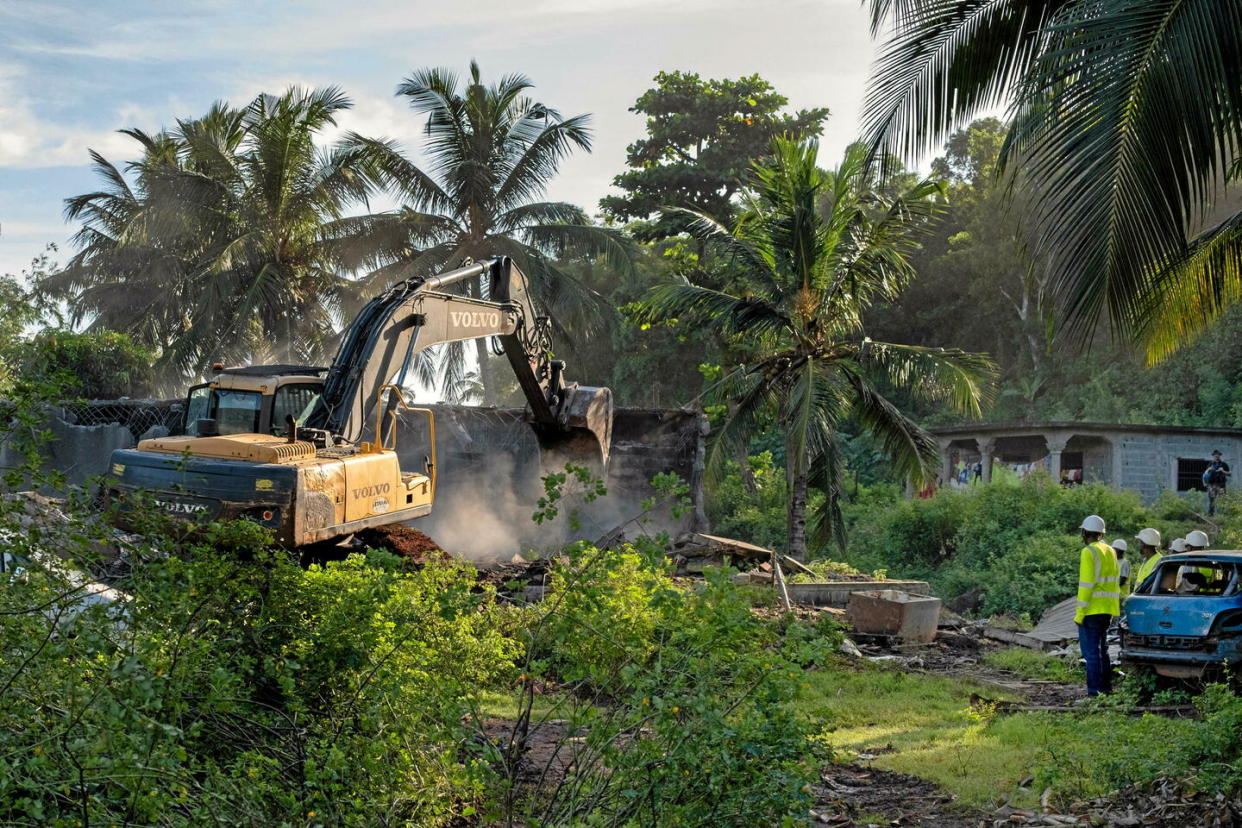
x=311 y=453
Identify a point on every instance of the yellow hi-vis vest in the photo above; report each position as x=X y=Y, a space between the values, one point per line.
x=1098 y=574
x=1146 y=568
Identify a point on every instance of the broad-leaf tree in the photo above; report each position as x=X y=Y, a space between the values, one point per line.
x=490 y=152
x=1127 y=124
x=817 y=249
x=702 y=138
x=230 y=237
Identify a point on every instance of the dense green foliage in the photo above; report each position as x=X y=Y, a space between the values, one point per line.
x=813 y=250
x=96 y=366
x=223 y=684
x=1128 y=118
x=1017 y=543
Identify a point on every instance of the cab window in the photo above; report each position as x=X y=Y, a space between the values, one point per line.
x=295 y=399
x=197 y=406
x=235 y=412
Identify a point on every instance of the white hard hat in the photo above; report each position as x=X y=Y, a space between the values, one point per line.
x=1093 y=523
x=1177 y=545
x=1120 y=544
x=1197 y=539
x=1151 y=537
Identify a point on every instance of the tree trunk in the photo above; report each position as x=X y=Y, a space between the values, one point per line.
x=797 y=516
x=745 y=471
x=486 y=381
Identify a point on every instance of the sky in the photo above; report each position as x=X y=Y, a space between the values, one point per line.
x=74 y=72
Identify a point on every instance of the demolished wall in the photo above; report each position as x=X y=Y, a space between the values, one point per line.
x=489 y=479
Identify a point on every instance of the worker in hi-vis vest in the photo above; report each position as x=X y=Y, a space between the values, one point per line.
x=1149 y=548
x=1120 y=547
x=1099 y=601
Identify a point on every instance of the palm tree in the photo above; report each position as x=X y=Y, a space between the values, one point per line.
x=230 y=238
x=491 y=152
x=1127 y=126
x=816 y=249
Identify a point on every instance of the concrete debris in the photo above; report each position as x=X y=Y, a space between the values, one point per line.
x=850 y=649
x=908 y=617
x=837 y=593
x=905 y=662
x=694 y=552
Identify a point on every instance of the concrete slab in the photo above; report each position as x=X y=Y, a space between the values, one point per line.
x=837 y=593
x=907 y=616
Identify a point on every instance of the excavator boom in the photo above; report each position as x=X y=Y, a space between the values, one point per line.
x=572 y=422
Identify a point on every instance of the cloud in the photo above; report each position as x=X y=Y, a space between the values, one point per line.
x=30 y=141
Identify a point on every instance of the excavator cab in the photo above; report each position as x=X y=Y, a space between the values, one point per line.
x=256 y=399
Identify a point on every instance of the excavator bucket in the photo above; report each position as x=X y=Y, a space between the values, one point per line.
x=583 y=433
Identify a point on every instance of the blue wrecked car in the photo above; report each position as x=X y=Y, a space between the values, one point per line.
x=1185 y=620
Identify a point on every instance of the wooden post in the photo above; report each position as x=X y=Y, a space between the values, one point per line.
x=780 y=583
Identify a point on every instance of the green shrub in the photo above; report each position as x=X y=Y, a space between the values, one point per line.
x=702 y=678
x=758 y=517
x=99 y=366
x=1018 y=543
x=236 y=691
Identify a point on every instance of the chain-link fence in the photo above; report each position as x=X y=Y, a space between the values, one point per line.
x=141 y=417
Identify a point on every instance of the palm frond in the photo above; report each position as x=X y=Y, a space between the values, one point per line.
x=1193 y=290
x=731 y=315
x=945 y=62
x=1133 y=116
x=948 y=376
x=914 y=452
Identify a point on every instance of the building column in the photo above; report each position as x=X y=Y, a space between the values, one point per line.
x=986 y=446
x=1056 y=445
x=946 y=462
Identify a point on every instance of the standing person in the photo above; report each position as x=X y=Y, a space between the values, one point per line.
x=1149 y=548
x=1099 y=601
x=1121 y=548
x=1215 y=478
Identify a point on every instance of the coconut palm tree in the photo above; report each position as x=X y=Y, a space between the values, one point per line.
x=229 y=238
x=815 y=250
x=490 y=153
x=1127 y=126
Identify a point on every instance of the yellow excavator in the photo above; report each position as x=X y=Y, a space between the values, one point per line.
x=311 y=452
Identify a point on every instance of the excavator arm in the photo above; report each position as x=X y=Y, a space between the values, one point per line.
x=572 y=422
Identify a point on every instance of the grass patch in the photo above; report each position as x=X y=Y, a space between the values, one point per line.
x=933 y=732
x=505 y=705
x=1030 y=664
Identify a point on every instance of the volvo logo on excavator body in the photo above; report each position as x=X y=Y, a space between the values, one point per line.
x=372 y=491
x=474 y=319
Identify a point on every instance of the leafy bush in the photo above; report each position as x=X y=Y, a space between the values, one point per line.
x=1018 y=543
x=100 y=366
x=238 y=689
x=686 y=691
x=758 y=516
x=825 y=570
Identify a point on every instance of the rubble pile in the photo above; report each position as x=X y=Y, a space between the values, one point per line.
x=405 y=541
x=518 y=579
x=1163 y=802
x=694 y=552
